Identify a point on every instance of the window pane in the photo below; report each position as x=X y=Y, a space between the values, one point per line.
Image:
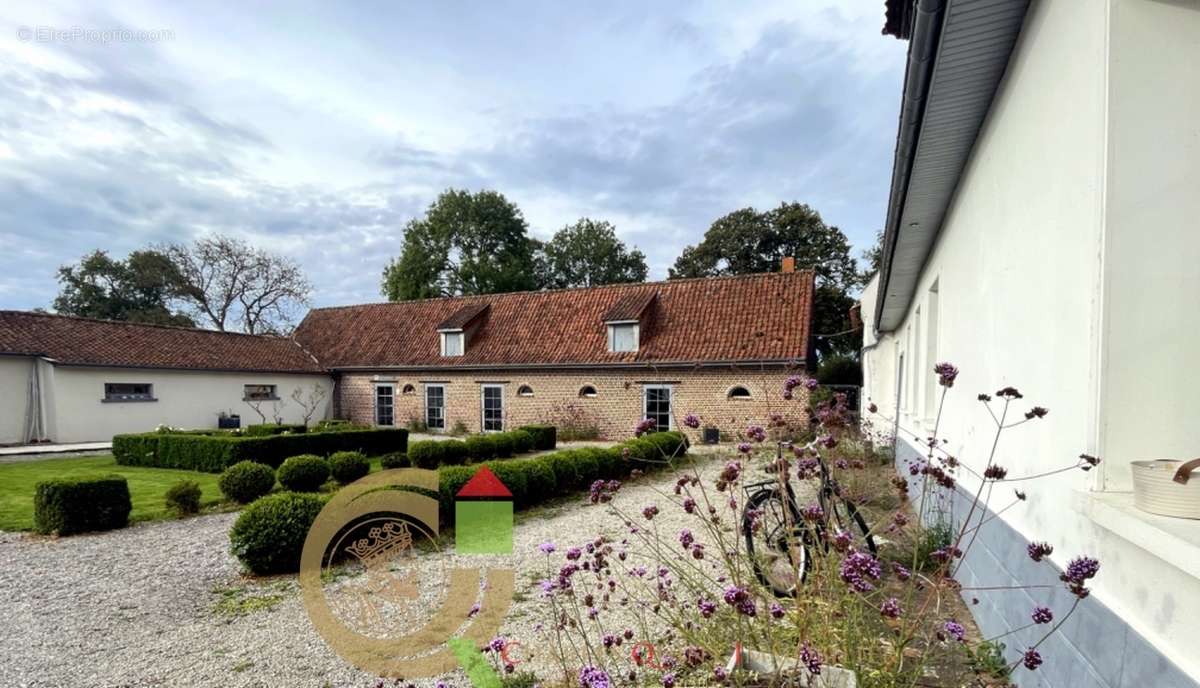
x=435 y=407
x=658 y=406
x=385 y=407
x=128 y=391
x=493 y=408
x=259 y=392
x=624 y=337
x=454 y=344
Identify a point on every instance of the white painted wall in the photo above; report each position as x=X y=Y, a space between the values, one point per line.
x=184 y=399
x=1068 y=268
x=14 y=397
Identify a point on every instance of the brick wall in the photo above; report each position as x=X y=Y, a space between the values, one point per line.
x=615 y=409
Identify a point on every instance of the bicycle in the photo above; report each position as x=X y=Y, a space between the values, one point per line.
x=779 y=547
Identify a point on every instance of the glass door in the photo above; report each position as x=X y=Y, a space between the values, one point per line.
x=493 y=407
x=658 y=405
x=435 y=407
x=385 y=405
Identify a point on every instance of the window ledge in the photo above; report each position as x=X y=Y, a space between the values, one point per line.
x=1173 y=540
x=264 y=399
x=126 y=401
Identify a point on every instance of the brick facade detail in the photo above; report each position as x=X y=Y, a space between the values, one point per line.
x=616 y=408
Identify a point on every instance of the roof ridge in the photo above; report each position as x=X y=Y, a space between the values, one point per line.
x=107 y=321
x=617 y=285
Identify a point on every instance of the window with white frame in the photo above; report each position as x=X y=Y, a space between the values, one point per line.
x=435 y=407
x=492 y=404
x=453 y=343
x=385 y=405
x=128 y=391
x=623 y=336
x=931 y=353
x=259 y=393
x=657 y=405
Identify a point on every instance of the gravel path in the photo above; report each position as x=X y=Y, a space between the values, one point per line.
x=139 y=607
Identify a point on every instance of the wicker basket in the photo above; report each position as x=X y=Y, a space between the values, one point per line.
x=1163 y=487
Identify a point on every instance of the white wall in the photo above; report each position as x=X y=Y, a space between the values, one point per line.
x=14 y=397
x=1067 y=267
x=184 y=399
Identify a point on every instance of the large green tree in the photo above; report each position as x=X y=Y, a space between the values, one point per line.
x=143 y=288
x=467 y=243
x=587 y=254
x=749 y=241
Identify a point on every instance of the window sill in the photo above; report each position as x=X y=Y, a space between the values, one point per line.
x=264 y=399
x=1173 y=540
x=127 y=401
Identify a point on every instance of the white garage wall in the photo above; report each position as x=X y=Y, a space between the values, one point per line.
x=14 y=397
x=184 y=399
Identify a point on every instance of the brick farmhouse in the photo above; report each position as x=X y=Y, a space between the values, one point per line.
x=600 y=358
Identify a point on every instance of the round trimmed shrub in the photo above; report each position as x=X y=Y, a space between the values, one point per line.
x=348 y=466
x=522 y=441
x=481 y=447
x=246 y=481
x=504 y=444
x=304 y=473
x=566 y=475
x=183 y=497
x=425 y=454
x=394 y=460
x=269 y=535
x=454 y=453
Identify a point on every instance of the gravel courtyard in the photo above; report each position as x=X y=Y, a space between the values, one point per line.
x=164 y=604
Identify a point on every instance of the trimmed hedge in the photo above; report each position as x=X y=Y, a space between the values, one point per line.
x=425 y=453
x=268 y=537
x=269 y=429
x=304 y=473
x=246 y=481
x=183 y=498
x=395 y=460
x=346 y=467
x=81 y=505
x=215 y=453
x=545 y=437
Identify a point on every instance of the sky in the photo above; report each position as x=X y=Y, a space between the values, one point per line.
x=318 y=130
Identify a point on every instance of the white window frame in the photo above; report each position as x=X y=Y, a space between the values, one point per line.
x=483 y=407
x=273 y=392
x=425 y=405
x=391 y=387
x=670 y=404
x=612 y=335
x=462 y=342
x=112 y=398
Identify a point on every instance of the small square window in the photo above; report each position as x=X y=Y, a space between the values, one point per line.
x=128 y=391
x=623 y=337
x=259 y=393
x=452 y=343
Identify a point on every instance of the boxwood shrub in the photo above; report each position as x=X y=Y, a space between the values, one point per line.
x=544 y=436
x=450 y=480
x=454 y=453
x=183 y=498
x=481 y=447
x=394 y=460
x=566 y=473
x=215 y=453
x=504 y=444
x=522 y=441
x=304 y=473
x=246 y=481
x=514 y=476
x=268 y=429
x=268 y=537
x=348 y=466
x=80 y=505
x=425 y=453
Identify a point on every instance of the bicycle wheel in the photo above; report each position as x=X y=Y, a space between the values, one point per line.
x=778 y=548
x=844 y=516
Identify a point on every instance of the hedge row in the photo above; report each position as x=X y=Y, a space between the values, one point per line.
x=214 y=454
x=269 y=536
x=81 y=505
x=545 y=437
x=495 y=445
x=269 y=429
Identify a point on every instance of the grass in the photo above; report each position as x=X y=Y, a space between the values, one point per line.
x=147 y=486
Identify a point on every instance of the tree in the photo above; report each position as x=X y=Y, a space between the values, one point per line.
x=142 y=288
x=465 y=244
x=748 y=241
x=588 y=254
x=873 y=256
x=235 y=286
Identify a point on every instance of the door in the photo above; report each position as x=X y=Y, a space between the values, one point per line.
x=493 y=408
x=435 y=407
x=385 y=405
x=657 y=405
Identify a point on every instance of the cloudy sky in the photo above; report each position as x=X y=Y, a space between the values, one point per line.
x=318 y=130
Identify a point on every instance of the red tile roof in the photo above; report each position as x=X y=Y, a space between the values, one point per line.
x=630 y=307
x=83 y=341
x=748 y=318
x=463 y=316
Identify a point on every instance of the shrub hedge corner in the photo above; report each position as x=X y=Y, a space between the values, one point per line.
x=545 y=437
x=80 y=505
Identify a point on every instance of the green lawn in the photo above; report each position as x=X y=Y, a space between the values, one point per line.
x=146 y=486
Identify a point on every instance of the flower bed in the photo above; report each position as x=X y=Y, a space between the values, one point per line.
x=213 y=452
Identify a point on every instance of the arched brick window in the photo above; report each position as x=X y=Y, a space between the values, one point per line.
x=738 y=392
x=587 y=391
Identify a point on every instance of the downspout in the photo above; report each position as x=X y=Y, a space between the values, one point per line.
x=918 y=75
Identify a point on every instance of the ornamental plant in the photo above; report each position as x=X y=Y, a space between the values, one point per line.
x=861 y=575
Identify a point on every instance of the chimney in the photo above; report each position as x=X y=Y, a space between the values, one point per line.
x=789 y=264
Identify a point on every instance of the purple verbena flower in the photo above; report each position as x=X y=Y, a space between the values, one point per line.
x=1042 y=615
x=1036 y=412
x=859 y=570
x=498 y=644
x=946 y=373
x=593 y=677
x=811 y=383
x=955 y=630
x=1031 y=659
x=689 y=505
x=901 y=572
x=707 y=607
x=994 y=472
x=811 y=659
x=777 y=610
x=745 y=447
x=691 y=421
x=668 y=680
x=1039 y=550
x=574 y=553
x=891 y=608
x=812 y=512
x=547 y=547
x=650 y=512
x=756 y=433
x=647 y=425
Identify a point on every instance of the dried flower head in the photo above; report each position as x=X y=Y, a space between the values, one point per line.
x=1036 y=412
x=995 y=472
x=1039 y=550
x=810 y=659
x=946 y=373
x=1042 y=615
x=1031 y=659
x=691 y=420
x=756 y=433
x=1010 y=393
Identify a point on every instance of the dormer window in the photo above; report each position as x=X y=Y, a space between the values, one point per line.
x=623 y=336
x=453 y=343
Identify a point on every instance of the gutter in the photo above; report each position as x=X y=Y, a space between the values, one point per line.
x=782 y=362
x=918 y=75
